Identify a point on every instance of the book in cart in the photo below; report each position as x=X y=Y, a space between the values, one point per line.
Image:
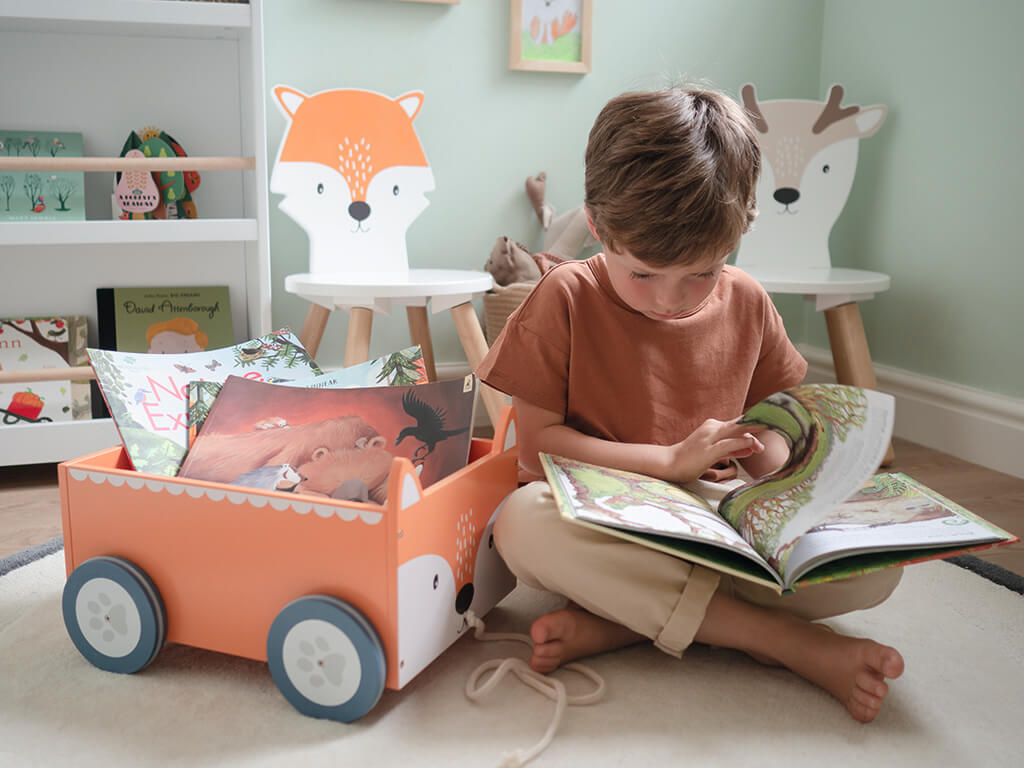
x=825 y=515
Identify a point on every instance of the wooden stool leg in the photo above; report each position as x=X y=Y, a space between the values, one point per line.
x=313 y=328
x=419 y=330
x=475 y=345
x=850 y=353
x=357 y=343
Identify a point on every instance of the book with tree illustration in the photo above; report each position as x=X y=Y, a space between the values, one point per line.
x=147 y=394
x=338 y=443
x=32 y=343
x=34 y=195
x=396 y=369
x=823 y=516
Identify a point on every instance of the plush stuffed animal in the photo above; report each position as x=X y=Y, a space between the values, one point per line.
x=511 y=262
x=565 y=235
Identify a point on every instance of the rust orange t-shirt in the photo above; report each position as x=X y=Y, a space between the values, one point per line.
x=574 y=347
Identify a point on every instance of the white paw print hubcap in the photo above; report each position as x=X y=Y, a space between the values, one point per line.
x=108 y=617
x=321 y=662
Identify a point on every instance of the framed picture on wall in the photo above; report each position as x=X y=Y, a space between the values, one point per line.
x=550 y=35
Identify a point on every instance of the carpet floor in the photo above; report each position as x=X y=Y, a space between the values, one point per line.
x=958 y=703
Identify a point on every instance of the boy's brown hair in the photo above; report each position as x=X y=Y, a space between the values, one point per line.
x=671 y=175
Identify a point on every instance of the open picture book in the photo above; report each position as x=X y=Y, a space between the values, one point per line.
x=823 y=516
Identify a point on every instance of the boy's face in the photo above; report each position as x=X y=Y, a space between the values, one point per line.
x=662 y=293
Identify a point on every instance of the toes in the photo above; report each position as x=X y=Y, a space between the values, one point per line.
x=870 y=683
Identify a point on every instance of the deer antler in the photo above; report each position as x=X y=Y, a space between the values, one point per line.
x=750 y=102
x=833 y=113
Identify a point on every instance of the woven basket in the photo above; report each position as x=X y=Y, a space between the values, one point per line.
x=500 y=302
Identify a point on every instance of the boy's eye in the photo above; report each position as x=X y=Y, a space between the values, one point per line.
x=640 y=276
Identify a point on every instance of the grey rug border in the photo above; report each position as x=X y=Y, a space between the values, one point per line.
x=30 y=555
x=994 y=573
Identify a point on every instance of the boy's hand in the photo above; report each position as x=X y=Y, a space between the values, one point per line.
x=712 y=442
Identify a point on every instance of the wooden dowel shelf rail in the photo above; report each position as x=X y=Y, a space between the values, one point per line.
x=117 y=164
x=48 y=374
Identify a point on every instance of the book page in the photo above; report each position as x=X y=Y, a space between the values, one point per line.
x=891 y=511
x=640 y=504
x=838 y=436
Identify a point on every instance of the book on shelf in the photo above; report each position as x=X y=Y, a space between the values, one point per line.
x=164 y=319
x=825 y=515
x=147 y=394
x=33 y=343
x=399 y=368
x=33 y=195
x=337 y=443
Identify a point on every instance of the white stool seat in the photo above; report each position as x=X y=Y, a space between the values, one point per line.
x=442 y=288
x=830 y=287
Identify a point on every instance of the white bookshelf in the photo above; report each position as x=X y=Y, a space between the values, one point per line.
x=104 y=68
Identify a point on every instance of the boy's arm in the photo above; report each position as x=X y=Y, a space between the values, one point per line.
x=545 y=431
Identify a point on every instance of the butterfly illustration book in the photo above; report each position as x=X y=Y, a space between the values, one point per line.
x=823 y=516
x=147 y=394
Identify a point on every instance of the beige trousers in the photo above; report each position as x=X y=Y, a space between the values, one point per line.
x=657 y=595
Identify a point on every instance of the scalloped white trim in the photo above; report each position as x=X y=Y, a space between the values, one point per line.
x=257 y=500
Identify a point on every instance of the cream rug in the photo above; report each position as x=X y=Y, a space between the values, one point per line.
x=960 y=702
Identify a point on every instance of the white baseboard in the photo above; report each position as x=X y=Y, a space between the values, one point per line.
x=971 y=424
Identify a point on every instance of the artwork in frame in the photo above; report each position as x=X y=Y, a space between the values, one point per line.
x=550 y=35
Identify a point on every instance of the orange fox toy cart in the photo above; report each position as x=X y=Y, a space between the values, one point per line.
x=341 y=599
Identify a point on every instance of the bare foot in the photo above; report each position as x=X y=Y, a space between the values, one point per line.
x=852 y=669
x=572 y=633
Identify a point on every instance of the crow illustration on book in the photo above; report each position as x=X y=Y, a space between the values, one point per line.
x=429 y=428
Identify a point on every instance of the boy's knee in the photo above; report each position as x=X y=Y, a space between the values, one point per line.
x=517 y=531
x=512 y=525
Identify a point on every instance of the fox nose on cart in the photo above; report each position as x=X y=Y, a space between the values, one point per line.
x=464 y=599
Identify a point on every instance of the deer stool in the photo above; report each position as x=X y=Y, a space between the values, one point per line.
x=809 y=158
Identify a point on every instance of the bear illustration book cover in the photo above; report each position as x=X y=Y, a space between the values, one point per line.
x=33 y=343
x=406 y=366
x=147 y=394
x=338 y=443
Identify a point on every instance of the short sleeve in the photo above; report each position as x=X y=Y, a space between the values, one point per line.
x=779 y=365
x=530 y=358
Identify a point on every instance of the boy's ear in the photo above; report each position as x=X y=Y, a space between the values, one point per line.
x=590 y=224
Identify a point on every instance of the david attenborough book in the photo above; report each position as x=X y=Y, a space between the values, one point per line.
x=338 y=443
x=31 y=343
x=147 y=394
x=823 y=516
x=164 y=319
x=396 y=369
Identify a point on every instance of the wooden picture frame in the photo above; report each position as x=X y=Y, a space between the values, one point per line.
x=550 y=38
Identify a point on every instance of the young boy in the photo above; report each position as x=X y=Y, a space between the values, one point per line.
x=642 y=358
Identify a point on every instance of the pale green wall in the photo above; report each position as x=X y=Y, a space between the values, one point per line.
x=486 y=128
x=937 y=198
